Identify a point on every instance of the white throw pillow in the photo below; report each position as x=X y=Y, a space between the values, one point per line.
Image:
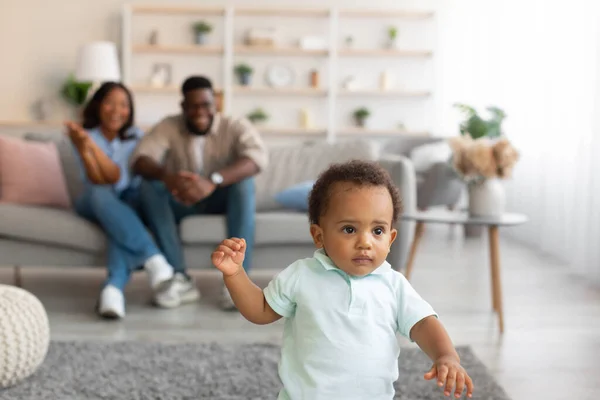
x=424 y=156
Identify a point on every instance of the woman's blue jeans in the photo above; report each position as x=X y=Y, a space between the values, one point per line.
x=129 y=242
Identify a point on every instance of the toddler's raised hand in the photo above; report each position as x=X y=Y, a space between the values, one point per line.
x=229 y=256
x=449 y=372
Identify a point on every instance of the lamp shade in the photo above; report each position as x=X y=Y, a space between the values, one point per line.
x=98 y=62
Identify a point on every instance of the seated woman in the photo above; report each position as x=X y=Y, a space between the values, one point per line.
x=103 y=146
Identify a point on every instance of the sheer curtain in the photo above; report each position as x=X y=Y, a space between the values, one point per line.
x=538 y=60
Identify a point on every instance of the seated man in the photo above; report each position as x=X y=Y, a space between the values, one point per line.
x=198 y=162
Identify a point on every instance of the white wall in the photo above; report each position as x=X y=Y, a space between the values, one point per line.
x=39 y=40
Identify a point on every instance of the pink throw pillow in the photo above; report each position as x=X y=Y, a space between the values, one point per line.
x=31 y=173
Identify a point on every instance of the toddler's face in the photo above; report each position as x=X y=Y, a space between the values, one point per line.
x=356 y=229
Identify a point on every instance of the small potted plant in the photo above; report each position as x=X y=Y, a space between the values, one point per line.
x=392 y=36
x=349 y=41
x=201 y=29
x=244 y=73
x=258 y=116
x=361 y=115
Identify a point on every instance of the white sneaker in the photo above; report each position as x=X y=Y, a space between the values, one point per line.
x=226 y=302
x=176 y=291
x=112 y=303
x=159 y=270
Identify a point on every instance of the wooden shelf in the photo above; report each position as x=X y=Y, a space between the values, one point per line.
x=141 y=88
x=273 y=130
x=349 y=131
x=384 y=53
x=156 y=9
x=186 y=49
x=283 y=51
x=288 y=91
x=374 y=13
x=390 y=92
x=284 y=12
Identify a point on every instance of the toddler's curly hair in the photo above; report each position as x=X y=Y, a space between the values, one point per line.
x=359 y=172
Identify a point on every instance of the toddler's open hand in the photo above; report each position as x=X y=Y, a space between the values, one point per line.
x=448 y=371
x=229 y=256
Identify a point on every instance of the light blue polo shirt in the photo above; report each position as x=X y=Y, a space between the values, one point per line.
x=119 y=151
x=339 y=338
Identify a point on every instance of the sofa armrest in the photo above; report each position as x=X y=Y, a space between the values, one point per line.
x=403 y=174
x=441 y=186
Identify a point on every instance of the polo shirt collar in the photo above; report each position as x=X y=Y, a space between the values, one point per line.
x=324 y=260
x=328 y=264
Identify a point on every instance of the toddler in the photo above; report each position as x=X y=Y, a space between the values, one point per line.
x=344 y=305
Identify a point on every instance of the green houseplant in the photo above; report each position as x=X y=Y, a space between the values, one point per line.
x=244 y=73
x=360 y=116
x=75 y=92
x=258 y=116
x=477 y=127
x=392 y=36
x=201 y=29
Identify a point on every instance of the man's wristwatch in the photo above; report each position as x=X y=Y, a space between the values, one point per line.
x=216 y=178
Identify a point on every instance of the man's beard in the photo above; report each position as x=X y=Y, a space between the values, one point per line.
x=195 y=131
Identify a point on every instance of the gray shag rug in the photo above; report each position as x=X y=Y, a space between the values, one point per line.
x=136 y=371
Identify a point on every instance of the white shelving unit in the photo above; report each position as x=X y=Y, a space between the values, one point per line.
x=229 y=49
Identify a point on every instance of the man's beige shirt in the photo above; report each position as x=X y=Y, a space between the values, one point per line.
x=171 y=144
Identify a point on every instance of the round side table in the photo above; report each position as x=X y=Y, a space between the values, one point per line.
x=450 y=217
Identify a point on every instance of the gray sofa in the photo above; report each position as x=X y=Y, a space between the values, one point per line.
x=438 y=185
x=40 y=236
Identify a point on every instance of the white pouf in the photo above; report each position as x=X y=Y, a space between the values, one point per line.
x=24 y=335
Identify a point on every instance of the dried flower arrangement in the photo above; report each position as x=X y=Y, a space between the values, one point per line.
x=481 y=152
x=484 y=158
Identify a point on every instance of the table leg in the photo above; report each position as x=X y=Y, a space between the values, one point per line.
x=495 y=271
x=17 y=275
x=493 y=260
x=419 y=229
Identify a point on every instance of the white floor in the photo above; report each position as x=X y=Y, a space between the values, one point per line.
x=550 y=349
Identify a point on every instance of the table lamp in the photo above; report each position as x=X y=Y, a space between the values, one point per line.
x=97 y=62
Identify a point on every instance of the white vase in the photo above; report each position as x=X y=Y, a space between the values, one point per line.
x=487 y=198
x=200 y=38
